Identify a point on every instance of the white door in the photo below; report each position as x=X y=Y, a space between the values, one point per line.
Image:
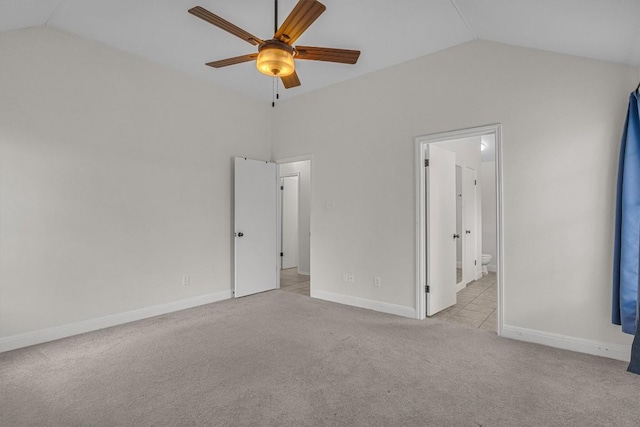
x=469 y=234
x=255 y=220
x=441 y=229
x=459 y=229
x=289 y=187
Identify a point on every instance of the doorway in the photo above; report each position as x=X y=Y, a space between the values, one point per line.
x=473 y=296
x=295 y=224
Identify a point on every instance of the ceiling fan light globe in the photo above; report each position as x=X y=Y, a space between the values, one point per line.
x=274 y=61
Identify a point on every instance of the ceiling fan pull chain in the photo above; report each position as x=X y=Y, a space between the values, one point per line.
x=273 y=92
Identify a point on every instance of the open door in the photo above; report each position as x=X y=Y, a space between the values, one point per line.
x=470 y=207
x=441 y=228
x=289 y=254
x=255 y=217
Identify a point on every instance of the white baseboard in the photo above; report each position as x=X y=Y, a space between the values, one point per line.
x=384 y=307
x=304 y=273
x=57 y=332
x=612 y=351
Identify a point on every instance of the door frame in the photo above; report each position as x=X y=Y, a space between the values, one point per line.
x=293 y=159
x=421 y=269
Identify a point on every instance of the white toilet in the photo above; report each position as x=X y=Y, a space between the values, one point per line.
x=486 y=259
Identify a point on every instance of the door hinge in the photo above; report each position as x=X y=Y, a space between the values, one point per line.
x=426 y=163
x=475 y=182
x=475 y=262
x=426 y=288
x=281 y=253
x=282 y=187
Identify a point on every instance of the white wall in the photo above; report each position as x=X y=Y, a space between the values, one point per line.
x=115 y=178
x=562 y=118
x=467 y=151
x=304 y=215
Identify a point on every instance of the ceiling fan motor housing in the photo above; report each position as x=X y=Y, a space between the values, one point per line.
x=275 y=58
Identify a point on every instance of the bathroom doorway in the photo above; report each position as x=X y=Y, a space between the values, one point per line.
x=477 y=232
x=295 y=224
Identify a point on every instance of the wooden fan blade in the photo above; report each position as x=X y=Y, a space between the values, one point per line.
x=328 y=54
x=300 y=18
x=231 y=61
x=290 y=81
x=211 y=18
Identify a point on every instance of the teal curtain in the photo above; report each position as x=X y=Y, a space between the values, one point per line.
x=627 y=234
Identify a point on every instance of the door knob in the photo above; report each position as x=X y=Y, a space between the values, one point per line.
x=240 y=234
x=456 y=236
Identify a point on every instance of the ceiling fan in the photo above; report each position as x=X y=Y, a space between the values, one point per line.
x=275 y=57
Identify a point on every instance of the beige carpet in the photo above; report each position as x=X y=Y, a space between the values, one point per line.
x=282 y=359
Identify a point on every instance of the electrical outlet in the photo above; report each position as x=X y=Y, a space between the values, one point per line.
x=377 y=282
x=186 y=280
x=352 y=278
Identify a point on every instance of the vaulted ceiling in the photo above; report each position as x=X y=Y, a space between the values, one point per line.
x=386 y=31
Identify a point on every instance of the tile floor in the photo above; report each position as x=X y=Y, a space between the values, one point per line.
x=291 y=281
x=476 y=305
